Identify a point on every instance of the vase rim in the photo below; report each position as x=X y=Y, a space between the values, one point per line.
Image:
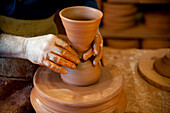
x=81 y=21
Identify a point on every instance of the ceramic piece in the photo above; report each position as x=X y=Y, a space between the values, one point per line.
x=122 y=44
x=157 y=17
x=117 y=26
x=147 y=71
x=114 y=19
x=158 y=21
x=162 y=65
x=118 y=6
x=81 y=24
x=80 y=77
x=155 y=44
x=158 y=27
x=120 y=13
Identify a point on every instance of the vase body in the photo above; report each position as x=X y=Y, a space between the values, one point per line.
x=81 y=24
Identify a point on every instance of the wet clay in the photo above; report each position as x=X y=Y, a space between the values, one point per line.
x=103 y=88
x=162 y=65
x=81 y=24
x=50 y=94
x=80 y=75
x=154 y=68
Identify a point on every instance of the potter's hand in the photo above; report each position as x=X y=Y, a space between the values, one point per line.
x=51 y=51
x=96 y=50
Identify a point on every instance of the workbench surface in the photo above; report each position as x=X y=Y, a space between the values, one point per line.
x=140 y=94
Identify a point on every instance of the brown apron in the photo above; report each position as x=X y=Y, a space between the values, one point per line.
x=21 y=68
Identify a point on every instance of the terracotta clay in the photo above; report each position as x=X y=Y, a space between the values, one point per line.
x=81 y=25
x=118 y=26
x=50 y=94
x=155 y=44
x=162 y=65
x=122 y=44
x=148 y=72
x=80 y=77
x=158 y=20
x=112 y=18
x=118 y=6
x=158 y=17
x=118 y=16
x=53 y=93
x=120 y=13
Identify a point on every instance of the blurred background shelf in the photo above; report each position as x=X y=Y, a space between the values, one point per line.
x=139 y=31
x=140 y=1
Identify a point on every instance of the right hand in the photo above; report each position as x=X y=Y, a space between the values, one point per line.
x=51 y=51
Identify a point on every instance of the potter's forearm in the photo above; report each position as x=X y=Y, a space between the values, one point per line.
x=12 y=46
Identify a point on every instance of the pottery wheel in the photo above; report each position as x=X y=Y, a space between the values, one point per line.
x=105 y=94
x=148 y=72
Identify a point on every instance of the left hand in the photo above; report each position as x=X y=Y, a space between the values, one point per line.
x=96 y=50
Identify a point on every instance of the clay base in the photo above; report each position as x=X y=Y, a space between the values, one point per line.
x=50 y=94
x=147 y=71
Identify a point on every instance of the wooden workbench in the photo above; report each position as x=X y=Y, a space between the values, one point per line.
x=140 y=94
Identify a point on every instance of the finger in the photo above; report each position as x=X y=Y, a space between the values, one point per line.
x=100 y=39
x=64 y=53
x=59 y=60
x=103 y=61
x=65 y=45
x=88 y=54
x=63 y=37
x=98 y=57
x=98 y=42
x=54 y=67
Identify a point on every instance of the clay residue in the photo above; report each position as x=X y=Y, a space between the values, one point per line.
x=140 y=94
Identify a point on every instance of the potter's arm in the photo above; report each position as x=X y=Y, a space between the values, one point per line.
x=47 y=50
x=12 y=46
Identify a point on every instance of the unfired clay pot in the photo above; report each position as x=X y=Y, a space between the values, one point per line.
x=118 y=26
x=118 y=16
x=155 y=44
x=162 y=65
x=112 y=18
x=120 y=12
x=118 y=6
x=122 y=44
x=158 y=21
x=81 y=24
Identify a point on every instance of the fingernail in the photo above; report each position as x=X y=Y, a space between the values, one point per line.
x=94 y=63
x=64 y=71
x=78 y=61
x=73 y=66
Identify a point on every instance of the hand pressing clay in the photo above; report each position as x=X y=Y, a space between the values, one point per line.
x=84 y=74
x=103 y=90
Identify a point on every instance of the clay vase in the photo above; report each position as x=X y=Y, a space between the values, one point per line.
x=81 y=24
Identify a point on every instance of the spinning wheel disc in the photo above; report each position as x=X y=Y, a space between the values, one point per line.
x=49 y=85
x=148 y=72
